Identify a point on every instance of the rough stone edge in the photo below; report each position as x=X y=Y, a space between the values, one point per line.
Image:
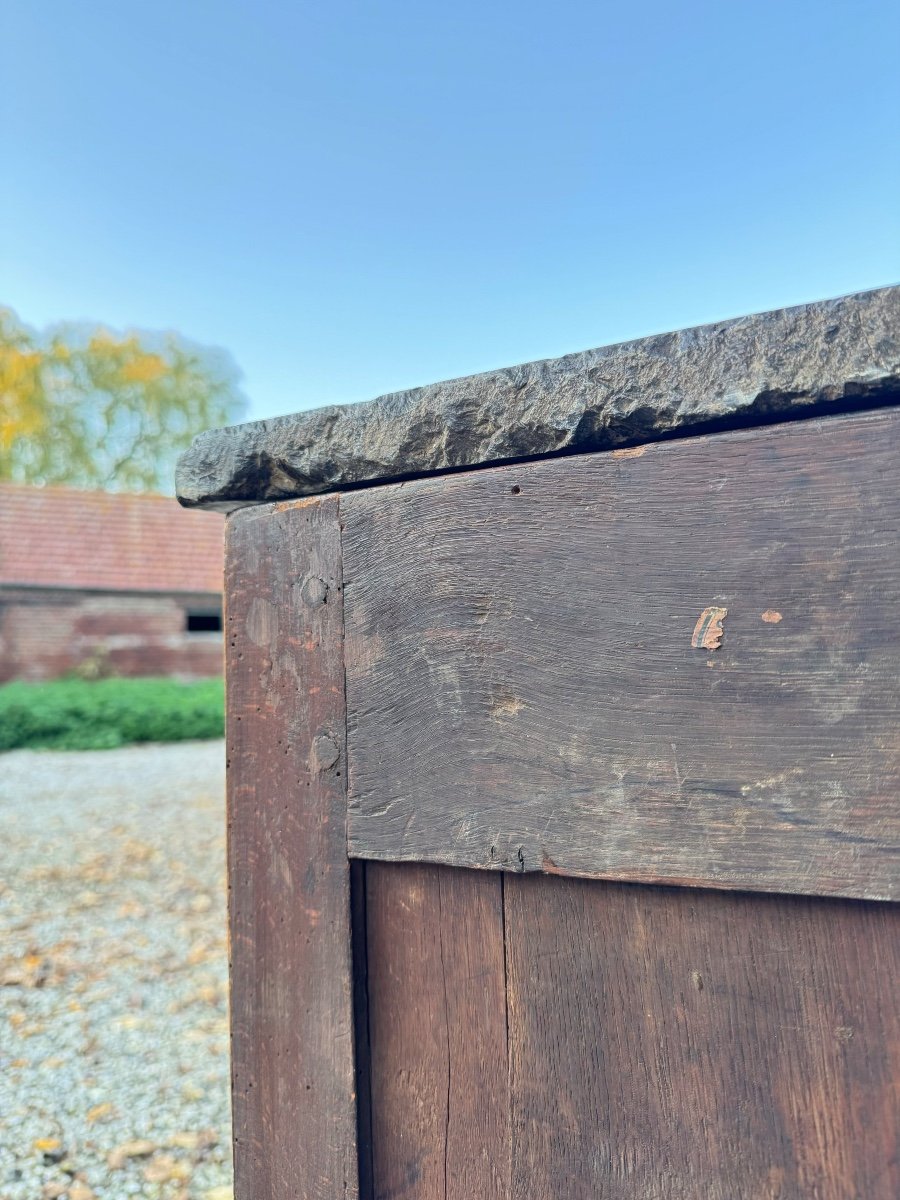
x=746 y=371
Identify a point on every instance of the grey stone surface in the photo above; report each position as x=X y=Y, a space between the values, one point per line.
x=751 y=370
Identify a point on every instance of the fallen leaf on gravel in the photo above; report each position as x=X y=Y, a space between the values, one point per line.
x=99 y=1112
x=139 y=1148
x=200 y=952
x=27 y=971
x=219 y=1193
x=164 y=1169
x=80 y=1191
x=47 y=1145
x=130 y=1021
x=52 y=1191
x=139 y=851
x=190 y=1140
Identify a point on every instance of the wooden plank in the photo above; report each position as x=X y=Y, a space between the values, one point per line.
x=292 y=1025
x=534 y=681
x=668 y=1044
x=437 y=1026
x=664 y=1044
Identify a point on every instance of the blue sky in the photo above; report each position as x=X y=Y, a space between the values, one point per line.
x=359 y=197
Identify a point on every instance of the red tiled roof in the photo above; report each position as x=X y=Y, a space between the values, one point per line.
x=61 y=537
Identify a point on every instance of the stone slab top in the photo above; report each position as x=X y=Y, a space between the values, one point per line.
x=829 y=356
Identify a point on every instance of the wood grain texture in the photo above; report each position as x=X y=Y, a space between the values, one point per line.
x=664 y=1044
x=672 y=1045
x=292 y=1024
x=437 y=1027
x=523 y=691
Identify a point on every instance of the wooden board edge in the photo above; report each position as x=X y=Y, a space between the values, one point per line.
x=293 y=1069
x=361 y=851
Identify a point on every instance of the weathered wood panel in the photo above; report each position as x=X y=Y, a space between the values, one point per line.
x=664 y=1044
x=437 y=1027
x=292 y=1026
x=671 y=1045
x=676 y=663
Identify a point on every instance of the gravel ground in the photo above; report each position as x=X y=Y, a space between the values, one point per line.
x=113 y=1004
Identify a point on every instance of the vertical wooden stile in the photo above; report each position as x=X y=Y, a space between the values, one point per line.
x=289 y=877
x=438 y=1033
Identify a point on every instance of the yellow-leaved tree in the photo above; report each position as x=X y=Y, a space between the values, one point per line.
x=97 y=409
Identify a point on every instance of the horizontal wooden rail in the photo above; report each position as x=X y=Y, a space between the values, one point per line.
x=676 y=663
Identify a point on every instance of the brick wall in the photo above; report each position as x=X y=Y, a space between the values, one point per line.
x=46 y=632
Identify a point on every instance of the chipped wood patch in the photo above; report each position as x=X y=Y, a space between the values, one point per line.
x=708 y=630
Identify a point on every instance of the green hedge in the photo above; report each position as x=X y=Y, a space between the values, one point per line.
x=73 y=714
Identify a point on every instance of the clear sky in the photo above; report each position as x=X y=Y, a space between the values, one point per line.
x=359 y=197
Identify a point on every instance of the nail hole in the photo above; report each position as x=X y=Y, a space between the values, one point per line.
x=515 y=490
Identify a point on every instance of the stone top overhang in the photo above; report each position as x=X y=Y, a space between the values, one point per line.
x=829 y=356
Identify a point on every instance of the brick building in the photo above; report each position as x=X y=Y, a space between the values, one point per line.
x=96 y=582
